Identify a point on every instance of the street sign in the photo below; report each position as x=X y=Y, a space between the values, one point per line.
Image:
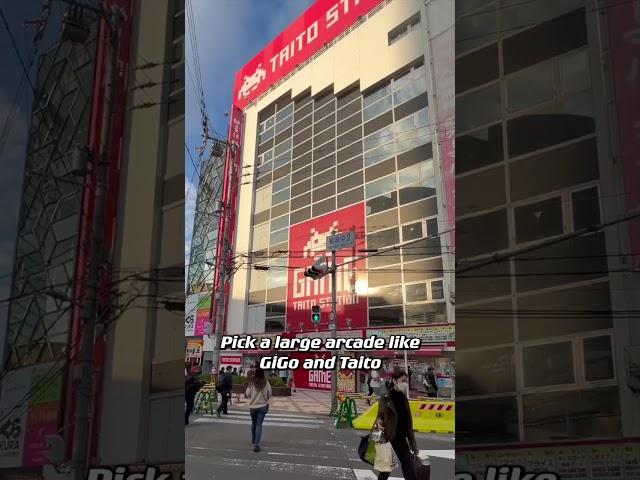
x=332 y=316
x=338 y=241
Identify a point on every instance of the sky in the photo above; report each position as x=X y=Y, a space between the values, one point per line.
x=229 y=33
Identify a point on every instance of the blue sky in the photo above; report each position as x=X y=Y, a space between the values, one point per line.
x=229 y=34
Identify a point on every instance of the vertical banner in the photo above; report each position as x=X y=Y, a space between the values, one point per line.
x=624 y=41
x=307 y=241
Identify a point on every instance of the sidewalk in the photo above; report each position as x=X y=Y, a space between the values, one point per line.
x=301 y=401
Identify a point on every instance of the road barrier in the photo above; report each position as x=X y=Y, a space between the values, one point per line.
x=428 y=416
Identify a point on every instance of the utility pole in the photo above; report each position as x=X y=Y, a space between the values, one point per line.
x=82 y=424
x=333 y=325
x=222 y=271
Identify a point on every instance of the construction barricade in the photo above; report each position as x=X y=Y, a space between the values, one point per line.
x=431 y=416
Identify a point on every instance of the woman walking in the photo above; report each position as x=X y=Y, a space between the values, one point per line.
x=258 y=393
x=396 y=424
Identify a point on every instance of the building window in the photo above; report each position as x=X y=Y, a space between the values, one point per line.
x=585 y=206
x=176 y=103
x=539 y=220
x=404 y=28
x=598 y=358
x=548 y=364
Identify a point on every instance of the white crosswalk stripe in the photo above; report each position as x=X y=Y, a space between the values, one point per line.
x=271 y=420
x=362 y=474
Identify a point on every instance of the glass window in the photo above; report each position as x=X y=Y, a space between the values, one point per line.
x=277 y=276
x=270 y=122
x=401 y=82
x=382 y=296
x=281 y=148
x=476 y=28
x=285 y=112
x=416 y=292
x=432 y=227
x=538 y=220
x=379 y=154
x=574 y=72
x=261 y=236
x=437 y=290
x=282 y=160
x=265 y=157
x=418 y=173
x=598 y=358
x=279 y=223
x=410 y=91
x=586 y=208
x=382 y=203
x=265 y=136
x=383 y=238
x=549 y=364
x=377 y=95
x=586 y=413
x=420 y=71
x=386 y=316
x=485 y=371
x=279 y=237
x=284 y=124
x=378 y=138
x=420 y=313
x=383 y=185
x=490 y=420
x=412 y=231
x=422 y=117
x=478 y=108
x=377 y=108
x=532 y=87
x=413 y=139
x=280 y=197
x=281 y=183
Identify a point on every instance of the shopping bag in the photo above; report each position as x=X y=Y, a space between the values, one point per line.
x=386 y=459
x=367 y=449
x=423 y=469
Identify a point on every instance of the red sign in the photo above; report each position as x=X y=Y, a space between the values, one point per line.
x=313 y=379
x=308 y=240
x=624 y=41
x=321 y=23
x=230 y=359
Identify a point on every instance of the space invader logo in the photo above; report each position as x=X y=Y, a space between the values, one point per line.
x=317 y=241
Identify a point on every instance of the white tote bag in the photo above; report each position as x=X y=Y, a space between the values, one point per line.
x=386 y=459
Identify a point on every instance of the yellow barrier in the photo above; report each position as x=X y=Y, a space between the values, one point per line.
x=428 y=416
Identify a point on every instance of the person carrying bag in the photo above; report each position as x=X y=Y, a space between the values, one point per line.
x=259 y=392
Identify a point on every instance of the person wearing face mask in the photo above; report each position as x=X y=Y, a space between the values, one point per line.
x=396 y=424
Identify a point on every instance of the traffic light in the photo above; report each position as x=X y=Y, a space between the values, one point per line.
x=318 y=270
x=315 y=314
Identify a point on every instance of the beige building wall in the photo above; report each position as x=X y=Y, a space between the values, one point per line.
x=143 y=404
x=362 y=55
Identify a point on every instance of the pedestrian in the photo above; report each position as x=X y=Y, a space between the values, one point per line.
x=226 y=385
x=395 y=422
x=430 y=383
x=369 y=378
x=258 y=393
x=191 y=386
x=234 y=372
x=292 y=381
x=377 y=384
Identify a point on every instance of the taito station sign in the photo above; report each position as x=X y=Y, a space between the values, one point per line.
x=321 y=23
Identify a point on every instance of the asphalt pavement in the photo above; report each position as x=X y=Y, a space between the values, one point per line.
x=294 y=447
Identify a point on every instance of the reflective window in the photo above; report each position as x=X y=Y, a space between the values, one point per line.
x=574 y=72
x=418 y=173
x=383 y=238
x=412 y=231
x=410 y=91
x=266 y=136
x=586 y=208
x=277 y=276
x=279 y=237
x=283 y=147
x=476 y=28
x=382 y=203
x=538 y=220
x=416 y=292
x=478 y=108
x=377 y=108
x=284 y=124
x=383 y=185
x=381 y=296
x=281 y=183
x=285 y=112
x=279 y=223
x=531 y=87
x=587 y=413
x=377 y=95
x=486 y=371
x=280 y=197
x=548 y=364
x=437 y=290
x=598 y=358
x=265 y=157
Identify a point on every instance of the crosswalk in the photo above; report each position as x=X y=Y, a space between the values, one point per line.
x=362 y=474
x=281 y=420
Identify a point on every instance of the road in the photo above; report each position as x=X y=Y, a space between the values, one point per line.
x=294 y=447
